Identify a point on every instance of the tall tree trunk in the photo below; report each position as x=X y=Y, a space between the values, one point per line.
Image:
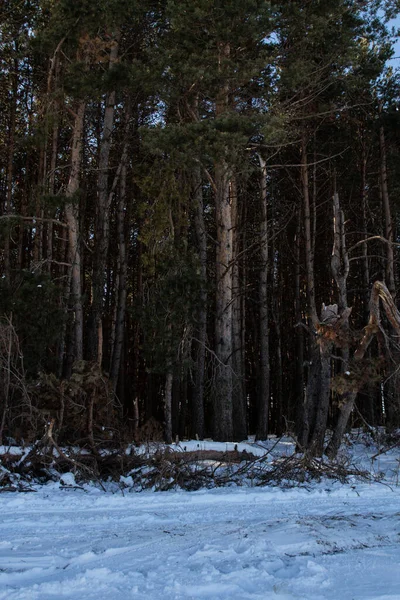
x=314 y=201
x=369 y=393
x=102 y=225
x=137 y=372
x=392 y=394
x=313 y=383
x=309 y=244
x=121 y=291
x=281 y=411
x=316 y=440
x=168 y=406
x=390 y=278
x=122 y=282
x=223 y=416
x=72 y=217
x=340 y=271
x=318 y=384
x=299 y=382
x=38 y=237
x=200 y=343
x=182 y=424
x=223 y=410
x=51 y=184
x=264 y=394
x=50 y=235
x=364 y=203
x=239 y=391
x=10 y=165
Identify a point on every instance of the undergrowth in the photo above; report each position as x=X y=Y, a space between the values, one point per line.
x=160 y=468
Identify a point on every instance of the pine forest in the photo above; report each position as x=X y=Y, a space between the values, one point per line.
x=199 y=220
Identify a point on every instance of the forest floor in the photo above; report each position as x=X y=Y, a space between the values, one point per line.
x=322 y=539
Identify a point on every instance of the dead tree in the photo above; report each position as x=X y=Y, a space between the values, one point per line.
x=380 y=294
x=340 y=271
x=316 y=403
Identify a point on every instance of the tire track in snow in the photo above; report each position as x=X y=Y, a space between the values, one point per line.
x=177 y=546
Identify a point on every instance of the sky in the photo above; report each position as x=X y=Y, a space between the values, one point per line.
x=395 y=62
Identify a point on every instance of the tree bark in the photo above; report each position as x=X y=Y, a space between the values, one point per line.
x=10 y=165
x=316 y=441
x=264 y=393
x=299 y=383
x=7 y=348
x=121 y=291
x=317 y=391
x=340 y=261
x=239 y=390
x=223 y=417
x=168 y=407
x=390 y=278
x=201 y=341
x=72 y=218
x=364 y=203
x=102 y=225
x=392 y=391
x=38 y=224
x=281 y=410
x=52 y=181
x=223 y=410
x=309 y=245
x=340 y=270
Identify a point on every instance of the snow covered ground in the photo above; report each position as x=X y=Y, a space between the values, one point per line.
x=323 y=541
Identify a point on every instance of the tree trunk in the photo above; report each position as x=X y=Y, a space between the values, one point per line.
x=239 y=391
x=52 y=181
x=121 y=292
x=38 y=225
x=10 y=165
x=316 y=441
x=7 y=343
x=309 y=244
x=299 y=383
x=182 y=424
x=314 y=393
x=312 y=397
x=223 y=411
x=281 y=411
x=137 y=285
x=264 y=393
x=364 y=203
x=102 y=225
x=168 y=407
x=223 y=417
x=390 y=278
x=340 y=271
x=200 y=343
x=392 y=394
x=345 y=411
x=72 y=217
x=369 y=392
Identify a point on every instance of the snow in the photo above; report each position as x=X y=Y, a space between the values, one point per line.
x=324 y=541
